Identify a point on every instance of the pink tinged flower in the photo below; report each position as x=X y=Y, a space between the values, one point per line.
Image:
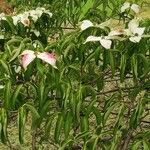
x=48 y=57
x=104 y=41
x=27 y=57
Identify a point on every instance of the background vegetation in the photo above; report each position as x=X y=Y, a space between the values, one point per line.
x=97 y=98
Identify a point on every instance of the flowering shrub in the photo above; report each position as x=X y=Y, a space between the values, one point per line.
x=83 y=83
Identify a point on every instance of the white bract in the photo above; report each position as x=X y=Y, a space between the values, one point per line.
x=23 y=18
x=37 y=13
x=116 y=32
x=1 y=36
x=2 y=16
x=104 y=40
x=34 y=14
x=2 y=86
x=86 y=24
x=28 y=56
x=134 y=31
x=36 y=32
x=127 y=5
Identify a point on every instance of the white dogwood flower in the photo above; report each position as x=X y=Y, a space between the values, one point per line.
x=127 y=5
x=28 y=56
x=23 y=18
x=86 y=24
x=104 y=40
x=134 y=31
x=37 y=13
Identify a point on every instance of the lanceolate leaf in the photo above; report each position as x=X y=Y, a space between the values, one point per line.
x=3 y=126
x=146 y=68
x=34 y=112
x=21 y=123
x=58 y=127
x=7 y=95
x=15 y=94
x=85 y=8
x=68 y=123
x=112 y=62
x=122 y=67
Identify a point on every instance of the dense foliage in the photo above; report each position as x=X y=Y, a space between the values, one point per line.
x=97 y=93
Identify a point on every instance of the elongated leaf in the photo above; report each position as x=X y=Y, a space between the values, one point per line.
x=122 y=67
x=146 y=145
x=22 y=46
x=21 y=123
x=86 y=7
x=82 y=135
x=34 y=112
x=7 y=95
x=146 y=65
x=112 y=62
x=5 y=66
x=68 y=123
x=134 y=65
x=108 y=112
x=48 y=126
x=16 y=93
x=136 y=145
x=3 y=124
x=97 y=114
x=58 y=127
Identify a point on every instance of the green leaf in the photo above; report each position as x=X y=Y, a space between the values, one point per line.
x=86 y=7
x=17 y=52
x=91 y=144
x=134 y=65
x=34 y=112
x=146 y=145
x=146 y=65
x=97 y=114
x=68 y=123
x=89 y=58
x=7 y=95
x=63 y=147
x=136 y=145
x=58 y=127
x=84 y=123
x=90 y=107
x=21 y=123
x=122 y=67
x=112 y=62
x=3 y=125
x=82 y=135
x=48 y=125
x=16 y=93
x=108 y=112
x=5 y=66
